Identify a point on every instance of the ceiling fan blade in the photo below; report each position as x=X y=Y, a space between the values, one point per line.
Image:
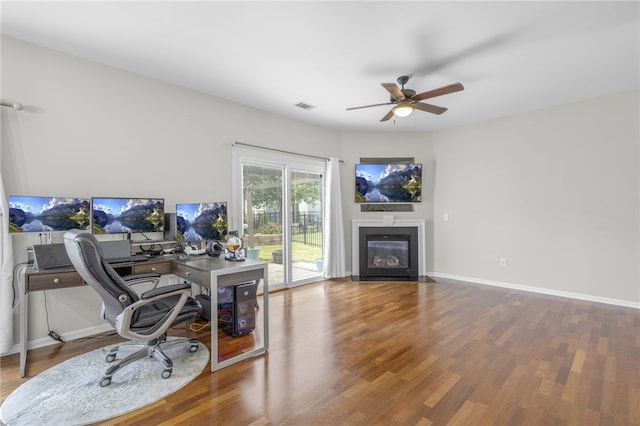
x=369 y=106
x=455 y=87
x=429 y=108
x=395 y=91
x=388 y=116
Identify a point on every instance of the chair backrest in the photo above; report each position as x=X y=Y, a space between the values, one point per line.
x=87 y=258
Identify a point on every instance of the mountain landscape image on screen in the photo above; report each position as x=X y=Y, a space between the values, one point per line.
x=127 y=215
x=201 y=221
x=388 y=183
x=48 y=214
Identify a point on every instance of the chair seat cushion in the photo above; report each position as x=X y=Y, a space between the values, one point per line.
x=148 y=315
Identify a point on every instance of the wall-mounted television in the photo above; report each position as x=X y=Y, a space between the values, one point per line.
x=388 y=183
x=201 y=221
x=127 y=215
x=48 y=214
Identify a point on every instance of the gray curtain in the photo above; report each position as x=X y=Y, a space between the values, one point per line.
x=334 y=250
x=6 y=276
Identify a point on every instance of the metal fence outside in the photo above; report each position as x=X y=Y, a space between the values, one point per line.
x=306 y=228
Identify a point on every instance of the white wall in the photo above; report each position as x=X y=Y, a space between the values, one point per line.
x=555 y=191
x=92 y=130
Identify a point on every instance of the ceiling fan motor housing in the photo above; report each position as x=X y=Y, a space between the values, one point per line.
x=408 y=93
x=402 y=80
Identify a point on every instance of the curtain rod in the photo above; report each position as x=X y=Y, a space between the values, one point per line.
x=282 y=150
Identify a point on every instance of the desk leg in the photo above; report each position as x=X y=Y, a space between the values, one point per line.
x=215 y=365
x=24 y=315
x=214 y=324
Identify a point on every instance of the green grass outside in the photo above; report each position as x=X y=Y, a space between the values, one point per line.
x=301 y=252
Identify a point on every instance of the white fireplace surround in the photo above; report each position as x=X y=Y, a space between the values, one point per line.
x=386 y=221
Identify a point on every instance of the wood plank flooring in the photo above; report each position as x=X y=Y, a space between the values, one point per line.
x=397 y=353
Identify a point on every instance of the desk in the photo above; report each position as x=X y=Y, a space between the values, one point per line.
x=216 y=272
x=206 y=272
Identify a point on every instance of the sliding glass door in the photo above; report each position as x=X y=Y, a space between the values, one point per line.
x=262 y=216
x=306 y=224
x=280 y=200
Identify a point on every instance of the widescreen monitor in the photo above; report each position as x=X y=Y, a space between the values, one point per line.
x=127 y=215
x=201 y=221
x=48 y=214
x=388 y=183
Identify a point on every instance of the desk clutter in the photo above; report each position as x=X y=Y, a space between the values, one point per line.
x=52 y=256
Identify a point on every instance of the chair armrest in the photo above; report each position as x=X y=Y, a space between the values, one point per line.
x=163 y=290
x=148 y=277
x=123 y=321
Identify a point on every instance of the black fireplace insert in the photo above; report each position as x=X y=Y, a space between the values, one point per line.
x=388 y=252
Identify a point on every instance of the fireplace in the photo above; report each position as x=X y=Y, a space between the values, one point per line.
x=388 y=252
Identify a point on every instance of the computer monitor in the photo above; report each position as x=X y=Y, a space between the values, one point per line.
x=127 y=215
x=201 y=221
x=48 y=214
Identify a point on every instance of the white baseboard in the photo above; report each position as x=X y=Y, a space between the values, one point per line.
x=70 y=336
x=541 y=290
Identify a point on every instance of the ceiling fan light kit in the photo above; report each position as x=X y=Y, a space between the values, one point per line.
x=404 y=109
x=406 y=100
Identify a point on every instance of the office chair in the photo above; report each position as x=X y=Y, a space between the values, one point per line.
x=141 y=318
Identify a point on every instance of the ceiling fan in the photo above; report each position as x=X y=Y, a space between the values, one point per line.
x=406 y=100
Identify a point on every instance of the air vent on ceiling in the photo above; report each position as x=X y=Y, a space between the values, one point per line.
x=304 y=105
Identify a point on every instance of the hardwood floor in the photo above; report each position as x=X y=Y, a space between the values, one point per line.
x=394 y=353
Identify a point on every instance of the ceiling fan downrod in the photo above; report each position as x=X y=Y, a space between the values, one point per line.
x=402 y=80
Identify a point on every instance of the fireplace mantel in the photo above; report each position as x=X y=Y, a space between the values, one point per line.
x=386 y=221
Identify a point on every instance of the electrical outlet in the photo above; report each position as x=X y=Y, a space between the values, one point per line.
x=445 y=217
x=503 y=262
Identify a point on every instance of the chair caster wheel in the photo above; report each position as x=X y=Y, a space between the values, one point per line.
x=111 y=357
x=167 y=373
x=106 y=381
x=193 y=348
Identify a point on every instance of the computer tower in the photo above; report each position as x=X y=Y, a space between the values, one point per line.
x=225 y=298
x=238 y=316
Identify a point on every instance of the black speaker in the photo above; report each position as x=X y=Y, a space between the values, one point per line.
x=238 y=317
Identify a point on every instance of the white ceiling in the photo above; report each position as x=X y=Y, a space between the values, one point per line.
x=512 y=57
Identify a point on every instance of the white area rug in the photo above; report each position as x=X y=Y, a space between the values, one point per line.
x=70 y=393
